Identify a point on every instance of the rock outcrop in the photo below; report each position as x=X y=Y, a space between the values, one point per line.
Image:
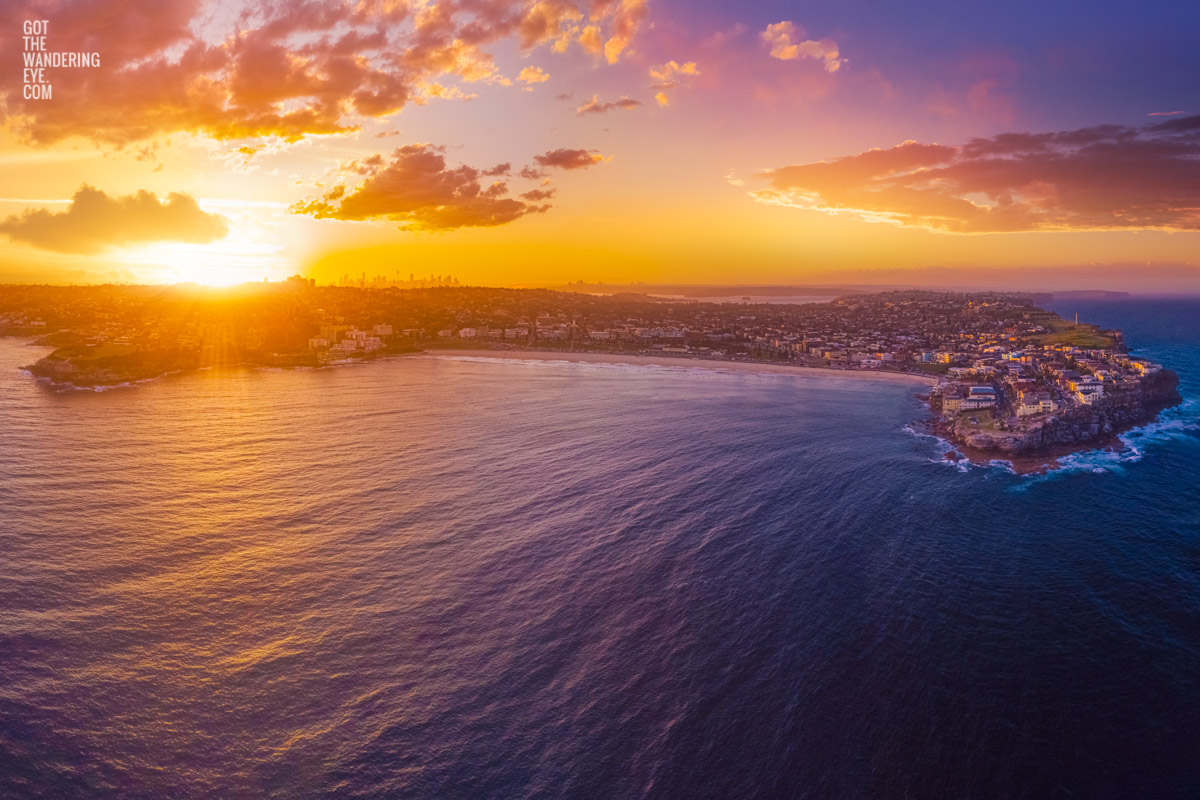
x=71 y=367
x=1117 y=412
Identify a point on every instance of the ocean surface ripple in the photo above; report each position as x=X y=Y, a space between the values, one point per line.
x=435 y=578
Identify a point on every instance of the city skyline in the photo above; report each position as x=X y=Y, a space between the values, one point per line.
x=539 y=143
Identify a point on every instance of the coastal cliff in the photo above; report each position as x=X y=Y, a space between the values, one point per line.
x=1080 y=425
x=110 y=365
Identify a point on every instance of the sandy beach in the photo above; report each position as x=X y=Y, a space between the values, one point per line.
x=695 y=363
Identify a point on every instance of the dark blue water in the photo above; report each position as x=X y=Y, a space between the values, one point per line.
x=434 y=578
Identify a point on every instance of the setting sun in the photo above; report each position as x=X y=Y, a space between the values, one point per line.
x=223 y=264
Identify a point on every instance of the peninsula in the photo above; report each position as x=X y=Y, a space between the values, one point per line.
x=1007 y=377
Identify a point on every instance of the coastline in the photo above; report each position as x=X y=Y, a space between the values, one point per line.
x=1038 y=462
x=1035 y=462
x=517 y=354
x=696 y=363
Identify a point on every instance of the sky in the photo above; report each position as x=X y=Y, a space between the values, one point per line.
x=1020 y=144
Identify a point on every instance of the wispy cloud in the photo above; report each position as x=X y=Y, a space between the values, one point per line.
x=627 y=18
x=595 y=106
x=782 y=43
x=668 y=76
x=564 y=158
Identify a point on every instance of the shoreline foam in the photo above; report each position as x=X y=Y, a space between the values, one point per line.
x=694 y=363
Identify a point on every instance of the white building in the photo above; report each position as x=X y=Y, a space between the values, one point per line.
x=1034 y=403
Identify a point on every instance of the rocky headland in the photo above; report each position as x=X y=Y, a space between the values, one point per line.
x=1071 y=429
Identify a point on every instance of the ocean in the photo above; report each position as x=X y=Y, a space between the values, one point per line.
x=433 y=577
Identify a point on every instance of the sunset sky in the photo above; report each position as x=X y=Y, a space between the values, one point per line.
x=534 y=143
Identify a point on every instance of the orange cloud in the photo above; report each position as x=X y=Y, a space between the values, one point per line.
x=627 y=18
x=594 y=106
x=94 y=221
x=533 y=75
x=277 y=68
x=416 y=189
x=779 y=39
x=592 y=40
x=569 y=159
x=669 y=75
x=1108 y=177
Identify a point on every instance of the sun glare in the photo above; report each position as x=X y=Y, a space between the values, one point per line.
x=222 y=264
